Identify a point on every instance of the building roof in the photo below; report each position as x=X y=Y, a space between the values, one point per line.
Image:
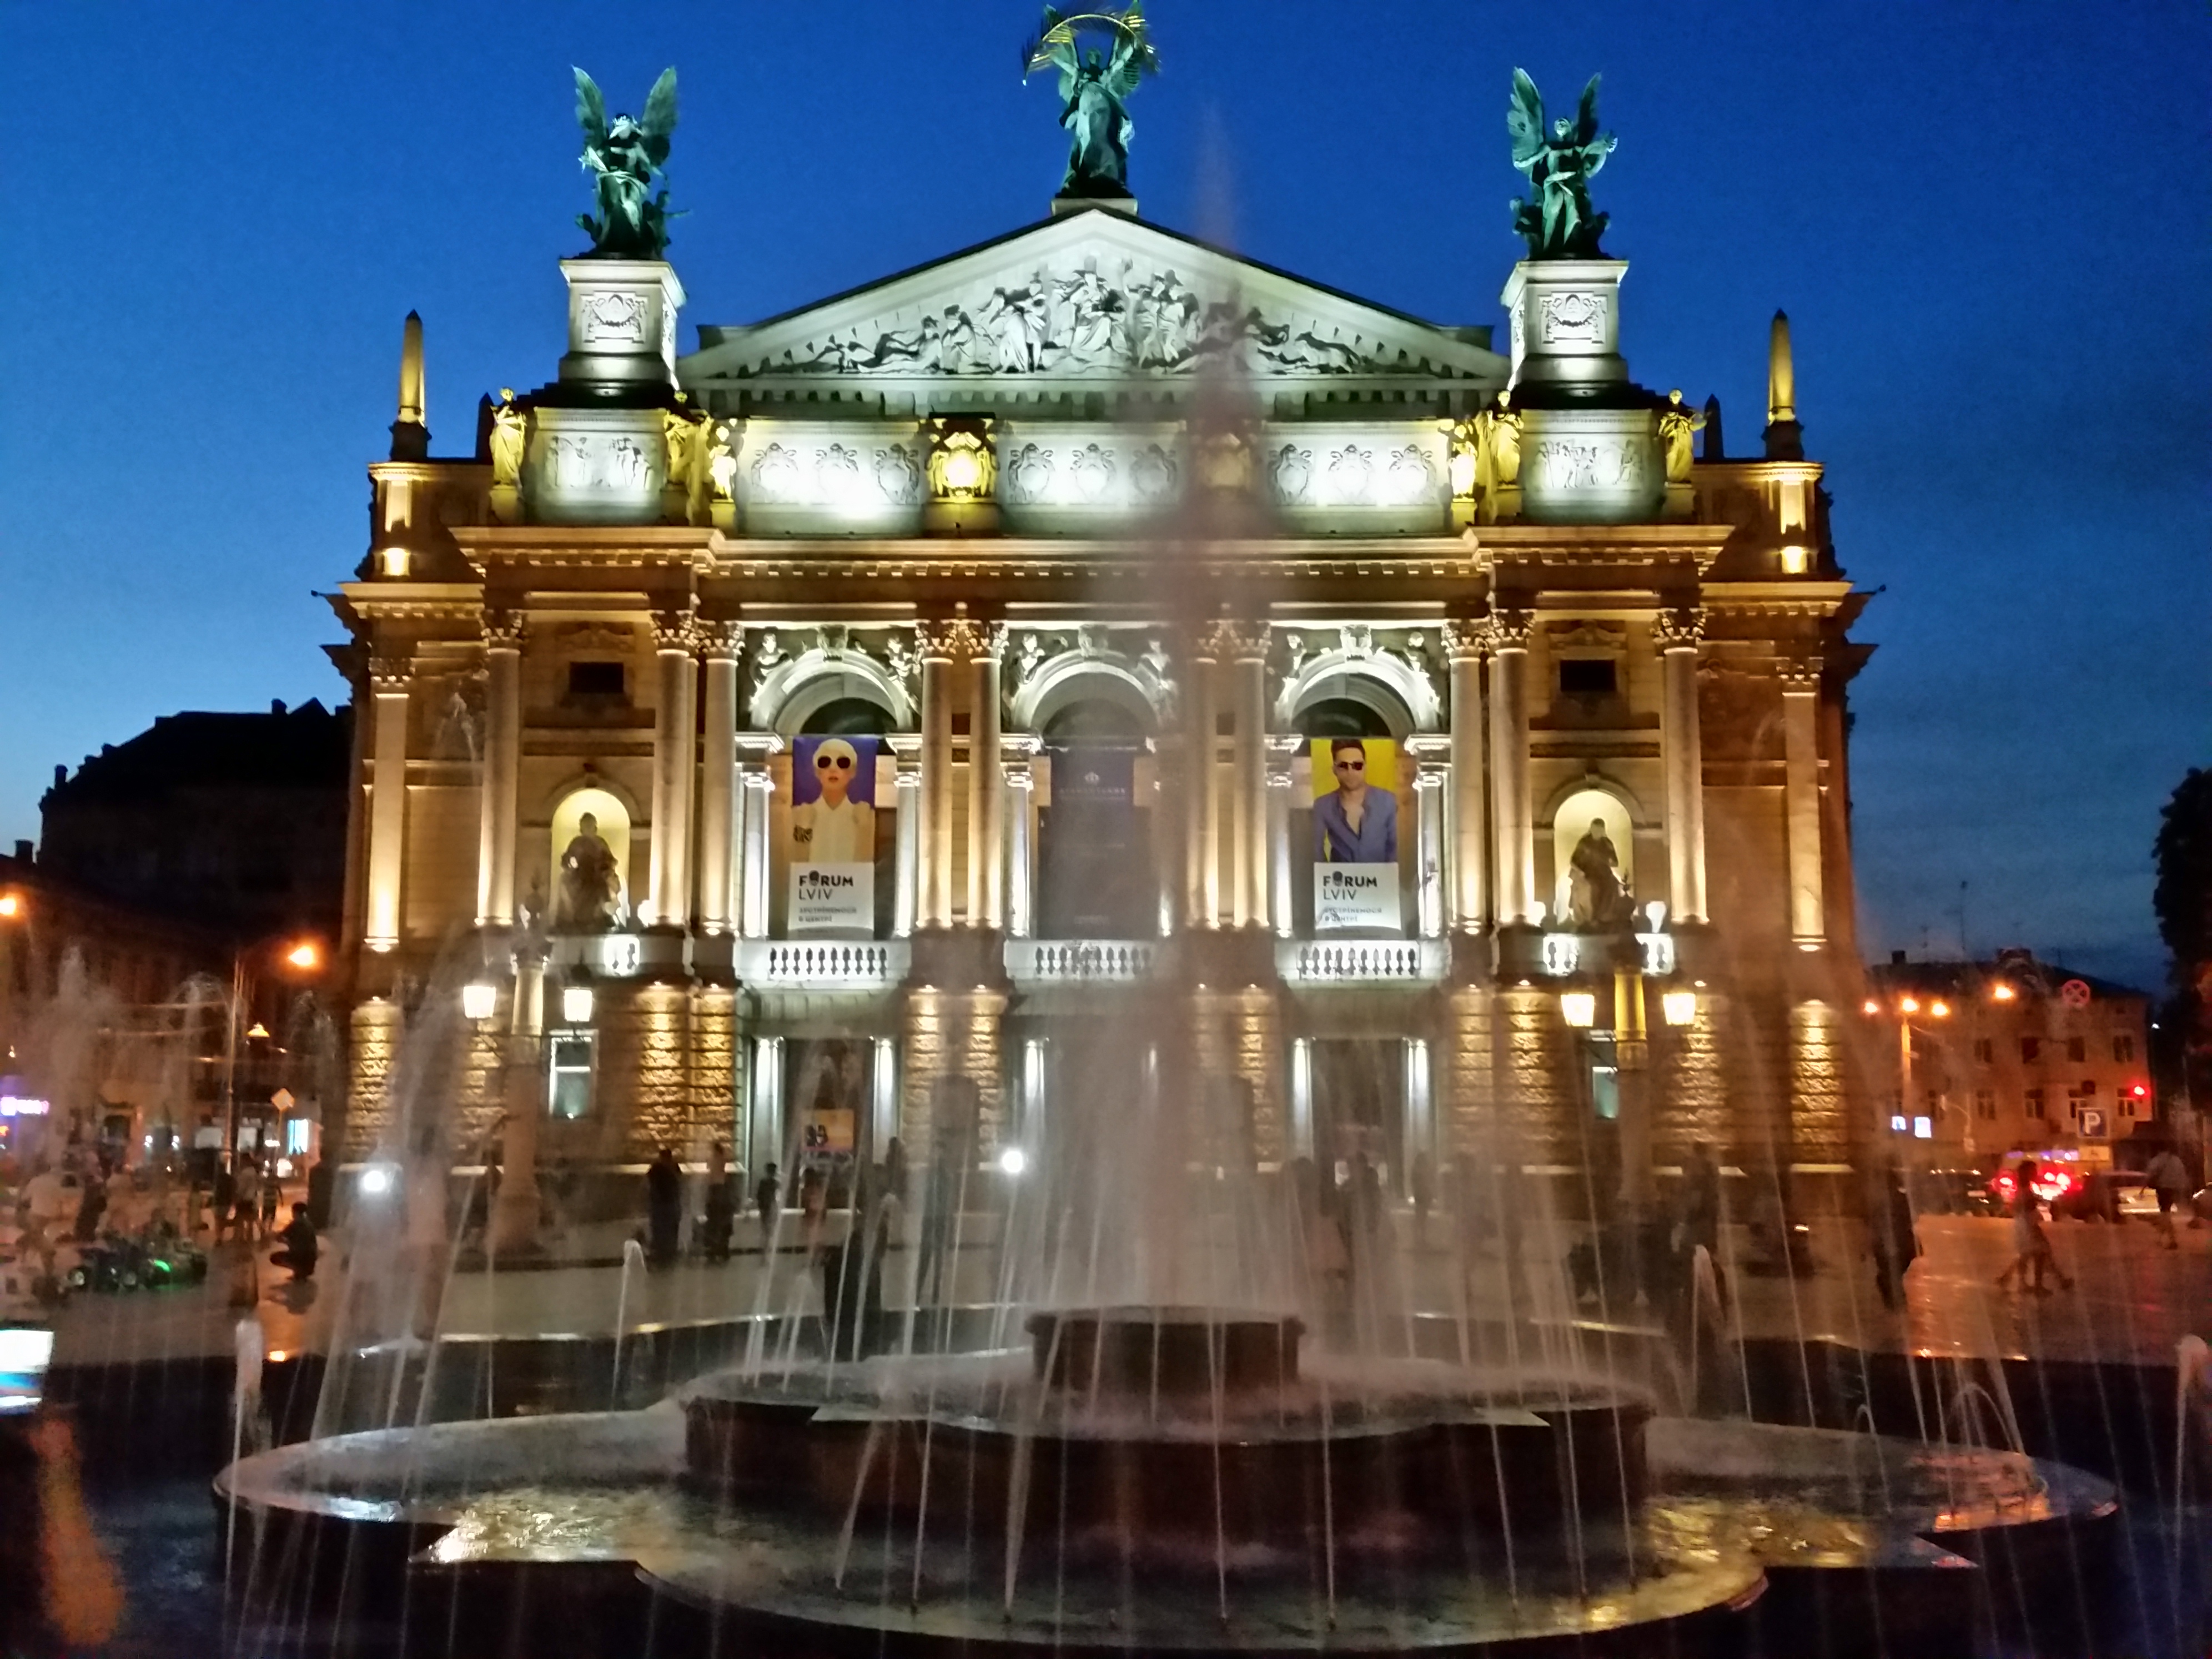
x=2023 y=969
x=309 y=747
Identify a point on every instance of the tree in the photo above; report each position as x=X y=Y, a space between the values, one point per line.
x=2183 y=900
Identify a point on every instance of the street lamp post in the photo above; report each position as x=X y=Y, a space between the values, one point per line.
x=304 y=957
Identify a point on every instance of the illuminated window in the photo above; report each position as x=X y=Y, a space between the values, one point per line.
x=2077 y=1049
x=568 y=1074
x=2124 y=1049
x=2031 y=1049
x=1985 y=1104
x=2034 y=1102
x=1924 y=1128
x=1896 y=1125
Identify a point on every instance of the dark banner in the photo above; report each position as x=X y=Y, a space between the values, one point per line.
x=1095 y=875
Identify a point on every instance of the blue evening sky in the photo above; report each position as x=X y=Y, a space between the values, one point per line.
x=1987 y=221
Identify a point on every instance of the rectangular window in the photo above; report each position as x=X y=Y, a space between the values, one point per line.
x=596 y=679
x=2079 y=1095
x=2031 y=1049
x=2127 y=1104
x=1985 y=1051
x=1589 y=677
x=2034 y=1102
x=2077 y=1049
x=1985 y=1104
x=2124 y=1049
x=568 y=1074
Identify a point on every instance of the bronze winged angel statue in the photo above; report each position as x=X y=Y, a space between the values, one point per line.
x=1101 y=58
x=624 y=156
x=1559 y=223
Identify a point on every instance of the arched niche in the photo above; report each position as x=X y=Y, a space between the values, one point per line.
x=1342 y=717
x=611 y=822
x=1074 y=681
x=794 y=693
x=1573 y=813
x=1396 y=696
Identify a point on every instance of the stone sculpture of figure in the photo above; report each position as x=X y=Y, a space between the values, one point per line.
x=682 y=430
x=1559 y=223
x=1505 y=434
x=624 y=156
x=1095 y=84
x=507 y=436
x=457 y=728
x=589 y=881
x=1595 y=894
x=1677 y=424
x=721 y=462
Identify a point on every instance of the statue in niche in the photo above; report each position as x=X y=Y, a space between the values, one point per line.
x=1558 y=224
x=624 y=156
x=458 y=730
x=589 y=881
x=1596 y=896
x=1101 y=58
x=1678 y=422
x=508 y=437
x=685 y=432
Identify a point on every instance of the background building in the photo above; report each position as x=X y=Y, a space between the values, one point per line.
x=1087 y=545
x=2013 y=1054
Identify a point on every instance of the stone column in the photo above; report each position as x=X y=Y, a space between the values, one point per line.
x=1020 y=785
x=755 y=787
x=1247 y=644
x=1201 y=866
x=1431 y=776
x=1508 y=749
x=942 y=644
x=387 y=802
x=906 y=754
x=672 y=768
x=718 y=793
x=1282 y=902
x=1465 y=643
x=502 y=769
x=1801 y=796
x=987 y=795
x=1678 y=633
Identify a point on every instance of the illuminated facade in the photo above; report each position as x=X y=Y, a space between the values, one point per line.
x=1089 y=543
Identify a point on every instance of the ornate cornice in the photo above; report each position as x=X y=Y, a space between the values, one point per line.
x=1682 y=629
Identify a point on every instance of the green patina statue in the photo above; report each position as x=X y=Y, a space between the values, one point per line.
x=624 y=157
x=1101 y=57
x=1559 y=223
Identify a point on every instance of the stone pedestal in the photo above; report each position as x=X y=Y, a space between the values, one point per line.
x=622 y=322
x=595 y=466
x=1590 y=467
x=1566 y=327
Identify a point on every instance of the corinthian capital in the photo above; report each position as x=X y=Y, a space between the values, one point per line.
x=1466 y=639
x=1509 y=630
x=1800 y=671
x=503 y=630
x=1682 y=629
x=674 y=630
x=390 y=673
x=722 y=640
x=957 y=638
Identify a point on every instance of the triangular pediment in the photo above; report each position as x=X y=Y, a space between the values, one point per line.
x=1093 y=296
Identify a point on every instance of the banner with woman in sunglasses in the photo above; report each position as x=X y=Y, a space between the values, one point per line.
x=1355 y=826
x=833 y=837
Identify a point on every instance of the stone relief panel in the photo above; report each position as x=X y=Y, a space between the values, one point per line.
x=616 y=318
x=845 y=471
x=1087 y=468
x=1572 y=319
x=1368 y=469
x=1088 y=319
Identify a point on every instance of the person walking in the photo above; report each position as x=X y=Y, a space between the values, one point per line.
x=1896 y=1243
x=664 y=1207
x=246 y=1201
x=2168 y=1179
x=2032 y=1254
x=721 y=1218
x=768 y=1203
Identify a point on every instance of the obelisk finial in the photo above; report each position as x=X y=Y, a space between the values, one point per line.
x=1785 y=439
x=410 y=437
